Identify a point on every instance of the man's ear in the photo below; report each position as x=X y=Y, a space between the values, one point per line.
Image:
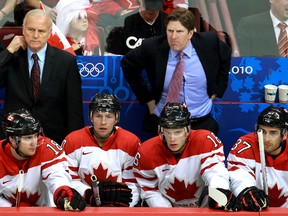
x=284 y=135
x=12 y=142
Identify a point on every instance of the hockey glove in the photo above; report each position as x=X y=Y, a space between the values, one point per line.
x=232 y=202
x=253 y=199
x=110 y=194
x=67 y=198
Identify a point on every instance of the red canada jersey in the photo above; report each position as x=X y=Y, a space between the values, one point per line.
x=245 y=170
x=113 y=161
x=43 y=174
x=166 y=181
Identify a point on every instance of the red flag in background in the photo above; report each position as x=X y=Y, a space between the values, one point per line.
x=58 y=39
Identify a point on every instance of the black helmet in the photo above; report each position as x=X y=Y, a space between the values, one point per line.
x=273 y=117
x=104 y=103
x=19 y=123
x=174 y=115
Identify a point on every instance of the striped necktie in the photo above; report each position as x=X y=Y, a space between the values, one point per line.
x=176 y=81
x=282 y=41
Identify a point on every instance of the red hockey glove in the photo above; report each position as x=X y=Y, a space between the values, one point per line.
x=232 y=202
x=67 y=198
x=253 y=199
x=110 y=194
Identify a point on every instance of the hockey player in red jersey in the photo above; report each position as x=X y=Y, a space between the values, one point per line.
x=173 y=168
x=105 y=152
x=244 y=160
x=33 y=167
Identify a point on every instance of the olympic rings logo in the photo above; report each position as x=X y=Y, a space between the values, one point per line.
x=90 y=69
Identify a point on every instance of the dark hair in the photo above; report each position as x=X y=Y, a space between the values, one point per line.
x=20 y=11
x=184 y=16
x=114 y=41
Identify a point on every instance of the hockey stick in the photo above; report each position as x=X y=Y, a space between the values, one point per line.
x=218 y=196
x=262 y=160
x=95 y=190
x=20 y=186
x=213 y=193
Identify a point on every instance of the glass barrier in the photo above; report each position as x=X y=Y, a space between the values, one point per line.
x=109 y=27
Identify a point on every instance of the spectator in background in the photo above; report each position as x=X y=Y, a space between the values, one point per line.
x=58 y=103
x=106 y=151
x=244 y=160
x=42 y=166
x=73 y=22
x=105 y=15
x=19 y=13
x=206 y=68
x=148 y=22
x=113 y=12
x=258 y=34
x=7 y=8
x=47 y=5
x=173 y=168
x=169 y=5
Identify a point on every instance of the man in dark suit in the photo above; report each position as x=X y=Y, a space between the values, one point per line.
x=206 y=67
x=257 y=35
x=59 y=102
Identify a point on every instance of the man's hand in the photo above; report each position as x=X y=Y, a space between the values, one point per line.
x=111 y=194
x=67 y=198
x=232 y=202
x=253 y=199
x=16 y=43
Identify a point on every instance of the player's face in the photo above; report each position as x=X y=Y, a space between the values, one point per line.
x=175 y=138
x=272 y=139
x=36 y=31
x=178 y=36
x=280 y=9
x=103 y=123
x=28 y=144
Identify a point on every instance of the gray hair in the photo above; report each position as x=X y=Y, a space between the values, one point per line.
x=35 y=12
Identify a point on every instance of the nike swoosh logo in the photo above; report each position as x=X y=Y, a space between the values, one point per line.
x=4 y=182
x=86 y=153
x=44 y=178
x=165 y=170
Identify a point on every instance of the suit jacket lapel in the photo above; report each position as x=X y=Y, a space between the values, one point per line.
x=24 y=71
x=48 y=66
x=200 y=51
x=161 y=64
x=266 y=28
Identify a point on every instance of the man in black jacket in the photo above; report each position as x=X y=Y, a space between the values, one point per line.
x=206 y=67
x=59 y=102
